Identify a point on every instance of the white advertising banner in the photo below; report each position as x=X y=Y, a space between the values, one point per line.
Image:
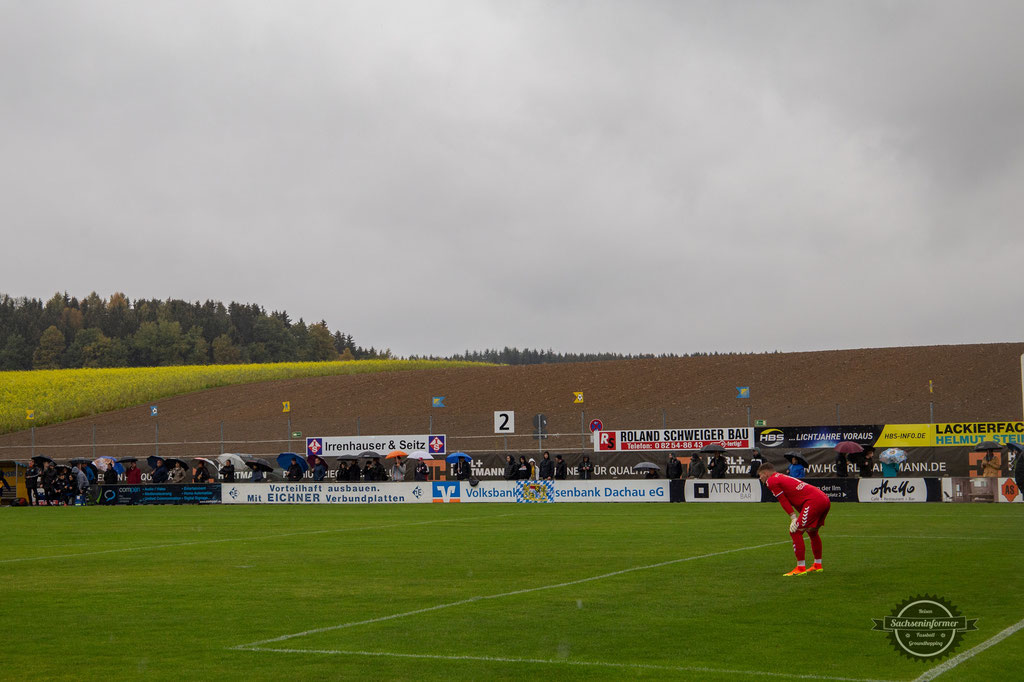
x=673 y=439
x=325 y=493
x=1009 y=491
x=892 y=490
x=327 y=446
x=723 y=490
x=560 y=491
x=445 y=492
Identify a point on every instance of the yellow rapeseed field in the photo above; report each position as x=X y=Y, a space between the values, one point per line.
x=62 y=394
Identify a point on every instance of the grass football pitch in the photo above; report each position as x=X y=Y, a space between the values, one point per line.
x=498 y=592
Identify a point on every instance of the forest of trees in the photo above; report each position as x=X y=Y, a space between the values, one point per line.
x=66 y=332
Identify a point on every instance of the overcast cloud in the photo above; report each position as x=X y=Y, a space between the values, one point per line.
x=583 y=176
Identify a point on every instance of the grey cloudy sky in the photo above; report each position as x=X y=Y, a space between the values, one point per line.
x=583 y=176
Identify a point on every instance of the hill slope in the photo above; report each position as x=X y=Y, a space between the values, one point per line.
x=972 y=383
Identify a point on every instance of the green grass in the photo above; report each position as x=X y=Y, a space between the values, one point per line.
x=256 y=573
x=61 y=394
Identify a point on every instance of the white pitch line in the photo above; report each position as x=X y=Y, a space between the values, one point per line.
x=595 y=664
x=438 y=607
x=245 y=539
x=970 y=653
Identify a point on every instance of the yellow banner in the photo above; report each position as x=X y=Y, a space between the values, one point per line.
x=972 y=433
x=905 y=436
x=959 y=434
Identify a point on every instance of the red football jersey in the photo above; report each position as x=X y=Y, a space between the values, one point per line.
x=792 y=492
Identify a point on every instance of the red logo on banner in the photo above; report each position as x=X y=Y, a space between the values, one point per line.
x=606 y=441
x=1010 y=490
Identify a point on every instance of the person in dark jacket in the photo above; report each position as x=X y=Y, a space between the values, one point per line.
x=697 y=467
x=1016 y=470
x=110 y=476
x=561 y=470
x=67 y=487
x=842 y=465
x=201 y=474
x=524 y=470
x=294 y=471
x=258 y=475
x=319 y=470
x=227 y=472
x=755 y=462
x=462 y=470
x=719 y=465
x=547 y=467
x=32 y=484
x=422 y=471
x=49 y=478
x=354 y=472
x=342 y=473
x=586 y=468
x=160 y=472
x=511 y=468
x=867 y=464
x=674 y=469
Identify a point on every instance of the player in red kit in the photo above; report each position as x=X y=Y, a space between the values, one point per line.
x=807 y=507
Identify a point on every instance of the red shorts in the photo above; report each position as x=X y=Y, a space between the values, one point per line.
x=813 y=513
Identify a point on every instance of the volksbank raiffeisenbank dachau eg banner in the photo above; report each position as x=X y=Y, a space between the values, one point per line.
x=526 y=492
x=353 y=445
x=673 y=439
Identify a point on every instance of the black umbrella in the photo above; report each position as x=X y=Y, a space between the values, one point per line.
x=128 y=459
x=647 y=465
x=38 y=459
x=170 y=462
x=988 y=446
x=713 y=447
x=79 y=460
x=848 y=447
x=348 y=457
x=369 y=453
x=257 y=464
x=800 y=460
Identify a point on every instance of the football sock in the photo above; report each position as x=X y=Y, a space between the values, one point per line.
x=798 y=547
x=816 y=547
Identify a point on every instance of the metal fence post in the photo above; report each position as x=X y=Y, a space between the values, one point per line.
x=157 y=438
x=838 y=423
x=94 y=441
x=222 y=436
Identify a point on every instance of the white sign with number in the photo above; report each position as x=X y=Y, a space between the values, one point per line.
x=505 y=422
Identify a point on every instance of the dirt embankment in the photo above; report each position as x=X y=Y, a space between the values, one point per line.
x=891 y=385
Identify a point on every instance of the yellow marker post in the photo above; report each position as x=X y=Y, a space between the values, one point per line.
x=30 y=414
x=286 y=406
x=579 y=397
